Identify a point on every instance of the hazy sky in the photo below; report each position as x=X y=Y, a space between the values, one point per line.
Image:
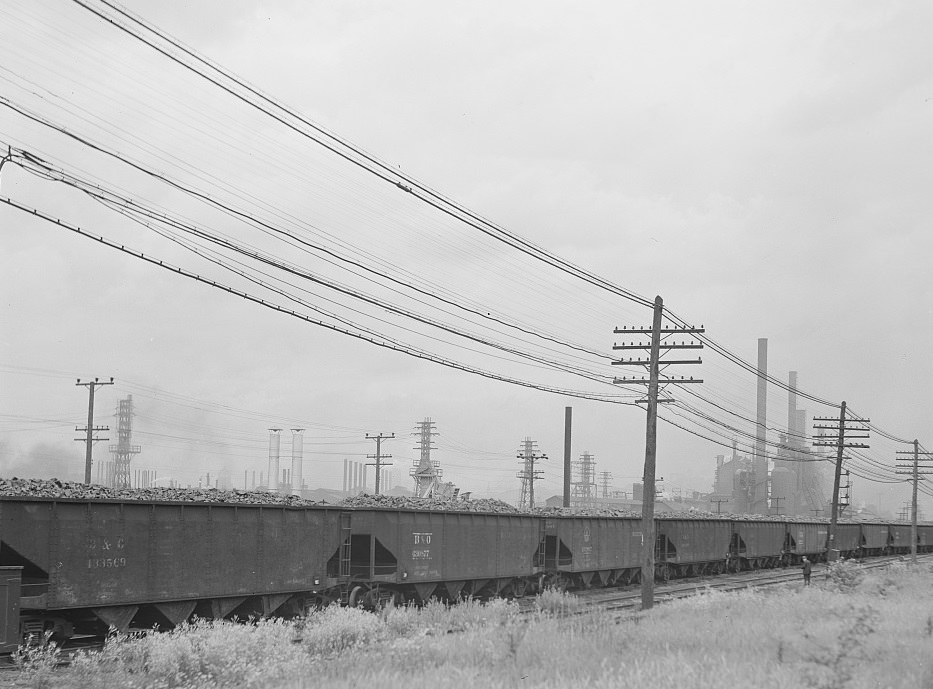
x=764 y=167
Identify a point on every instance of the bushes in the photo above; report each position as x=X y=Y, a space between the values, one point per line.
x=844 y=575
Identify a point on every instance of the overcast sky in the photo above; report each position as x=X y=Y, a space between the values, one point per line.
x=764 y=167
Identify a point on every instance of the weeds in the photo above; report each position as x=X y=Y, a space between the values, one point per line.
x=37 y=663
x=844 y=575
x=836 y=664
x=553 y=601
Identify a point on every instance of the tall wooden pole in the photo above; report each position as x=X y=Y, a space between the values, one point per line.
x=89 y=436
x=831 y=534
x=651 y=447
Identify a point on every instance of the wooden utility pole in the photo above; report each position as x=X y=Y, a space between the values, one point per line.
x=90 y=428
x=378 y=456
x=918 y=457
x=654 y=381
x=719 y=502
x=840 y=443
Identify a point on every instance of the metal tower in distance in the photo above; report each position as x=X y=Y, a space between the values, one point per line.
x=425 y=473
x=124 y=450
x=529 y=474
x=583 y=492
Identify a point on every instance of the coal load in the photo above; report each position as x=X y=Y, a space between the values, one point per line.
x=394 y=502
x=53 y=488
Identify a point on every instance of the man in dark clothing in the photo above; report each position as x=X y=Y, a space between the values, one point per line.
x=807 y=568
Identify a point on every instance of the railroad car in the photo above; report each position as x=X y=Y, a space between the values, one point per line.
x=925 y=538
x=805 y=539
x=875 y=539
x=900 y=537
x=690 y=547
x=579 y=552
x=847 y=539
x=413 y=555
x=757 y=544
x=89 y=565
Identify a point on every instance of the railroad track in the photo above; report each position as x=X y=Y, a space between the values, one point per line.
x=626 y=601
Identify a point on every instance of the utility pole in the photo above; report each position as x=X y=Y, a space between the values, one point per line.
x=918 y=457
x=529 y=474
x=378 y=456
x=91 y=385
x=719 y=502
x=654 y=380
x=823 y=440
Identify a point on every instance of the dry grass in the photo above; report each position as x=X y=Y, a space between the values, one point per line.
x=849 y=630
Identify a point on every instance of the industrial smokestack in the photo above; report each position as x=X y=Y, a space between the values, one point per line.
x=762 y=420
x=568 y=422
x=274 y=458
x=759 y=479
x=297 y=456
x=793 y=432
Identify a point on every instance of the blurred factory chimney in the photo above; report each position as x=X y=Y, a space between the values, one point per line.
x=297 y=452
x=274 y=439
x=758 y=488
x=793 y=433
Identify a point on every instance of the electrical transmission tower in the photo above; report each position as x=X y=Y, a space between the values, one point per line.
x=379 y=456
x=529 y=474
x=912 y=465
x=605 y=481
x=584 y=488
x=425 y=473
x=841 y=434
x=124 y=451
x=90 y=429
x=655 y=365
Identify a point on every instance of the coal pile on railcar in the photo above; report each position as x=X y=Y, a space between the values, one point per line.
x=586 y=512
x=53 y=488
x=396 y=502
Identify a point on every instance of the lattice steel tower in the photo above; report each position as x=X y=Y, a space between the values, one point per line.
x=124 y=450
x=425 y=473
x=529 y=474
x=583 y=491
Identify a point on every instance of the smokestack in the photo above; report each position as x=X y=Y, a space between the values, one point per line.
x=792 y=431
x=274 y=458
x=568 y=419
x=345 y=470
x=760 y=462
x=297 y=456
x=762 y=420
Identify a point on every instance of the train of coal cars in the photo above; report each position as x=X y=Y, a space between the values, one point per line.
x=83 y=565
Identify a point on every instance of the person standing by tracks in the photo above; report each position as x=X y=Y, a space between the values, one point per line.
x=807 y=567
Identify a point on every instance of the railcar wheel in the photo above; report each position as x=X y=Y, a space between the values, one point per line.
x=356 y=596
x=519 y=588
